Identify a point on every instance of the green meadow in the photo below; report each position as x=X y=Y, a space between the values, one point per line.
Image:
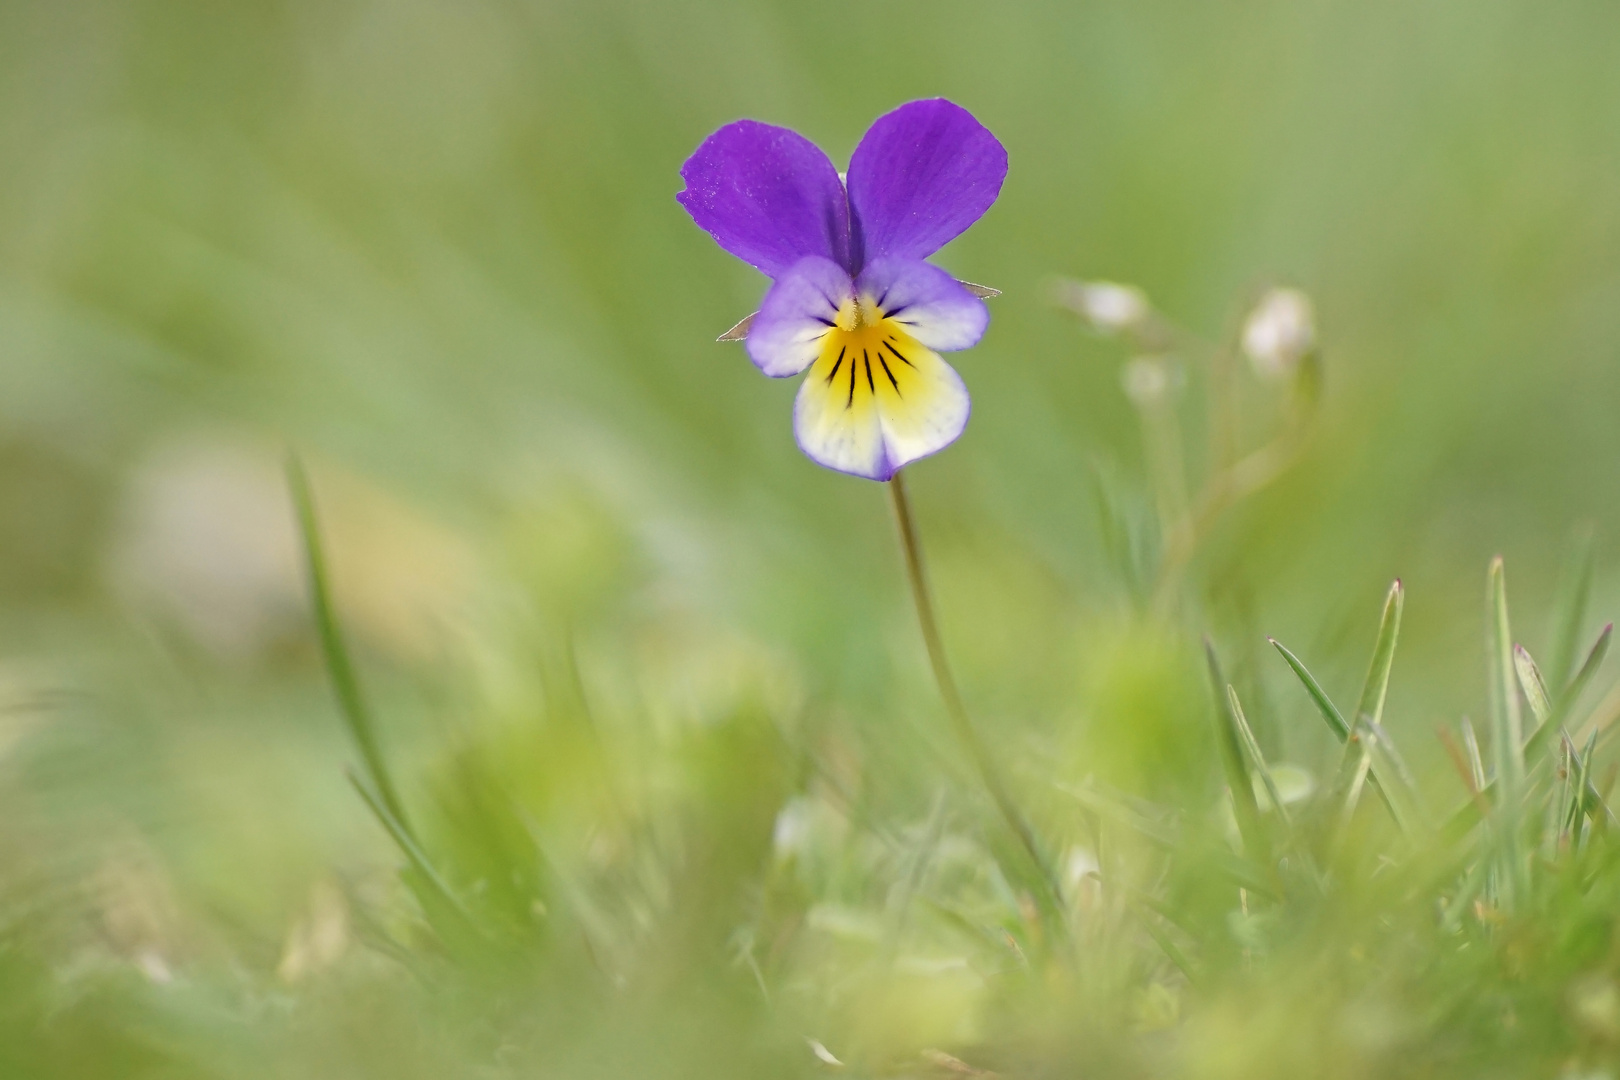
x=424 y=651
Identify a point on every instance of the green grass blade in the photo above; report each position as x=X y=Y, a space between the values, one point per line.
x=1476 y=762
x=1582 y=782
x=1389 y=775
x=1340 y=727
x=413 y=852
x=1256 y=759
x=1330 y=712
x=1566 y=700
x=1507 y=739
x=1370 y=707
x=1230 y=741
x=338 y=665
x=1569 y=611
x=1534 y=686
x=1507 y=723
x=1354 y=770
x=1467 y=816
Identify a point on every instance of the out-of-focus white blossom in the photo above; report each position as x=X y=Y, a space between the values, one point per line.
x=1149 y=379
x=1279 y=332
x=1106 y=306
x=206 y=541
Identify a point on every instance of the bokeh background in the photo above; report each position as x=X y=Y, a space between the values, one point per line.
x=434 y=247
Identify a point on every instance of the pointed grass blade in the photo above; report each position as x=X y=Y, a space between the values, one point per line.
x=1230 y=741
x=1507 y=722
x=1564 y=704
x=1569 y=611
x=1370 y=708
x=436 y=892
x=1507 y=741
x=1476 y=762
x=1354 y=770
x=1256 y=759
x=1388 y=773
x=339 y=668
x=1533 y=685
x=1535 y=747
x=1324 y=704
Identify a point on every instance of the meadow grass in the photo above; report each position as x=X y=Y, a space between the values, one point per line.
x=552 y=716
x=581 y=887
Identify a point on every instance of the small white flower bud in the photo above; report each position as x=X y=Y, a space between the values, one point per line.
x=1279 y=332
x=1149 y=379
x=1106 y=306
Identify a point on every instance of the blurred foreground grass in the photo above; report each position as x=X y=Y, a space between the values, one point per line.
x=647 y=679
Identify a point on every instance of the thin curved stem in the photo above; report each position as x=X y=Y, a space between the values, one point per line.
x=955 y=708
x=1227 y=487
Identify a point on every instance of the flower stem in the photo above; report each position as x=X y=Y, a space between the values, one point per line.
x=955 y=708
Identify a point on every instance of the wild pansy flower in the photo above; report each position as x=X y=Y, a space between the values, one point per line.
x=851 y=298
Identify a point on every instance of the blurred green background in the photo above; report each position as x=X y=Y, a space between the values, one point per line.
x=434 y=246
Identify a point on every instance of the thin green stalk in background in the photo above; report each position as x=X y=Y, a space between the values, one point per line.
x=955 y=707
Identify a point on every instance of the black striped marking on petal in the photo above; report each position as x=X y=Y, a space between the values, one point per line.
x=899 y=354
x=895 y=382
x=833 y=374
x=870 y=385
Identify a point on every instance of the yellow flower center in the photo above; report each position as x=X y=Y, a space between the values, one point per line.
x=867 y=357
x=858 y=314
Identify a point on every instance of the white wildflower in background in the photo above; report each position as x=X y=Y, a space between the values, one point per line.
x=206 y=542
x=1149 y=379
x=1106 y=306
x=1279 y=332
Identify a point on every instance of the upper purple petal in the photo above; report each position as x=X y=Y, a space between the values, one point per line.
x=921 y=175
x=768 y=195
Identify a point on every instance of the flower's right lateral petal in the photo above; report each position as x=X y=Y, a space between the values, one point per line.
x=932 y=306
x=798 y=311
x=768 y=195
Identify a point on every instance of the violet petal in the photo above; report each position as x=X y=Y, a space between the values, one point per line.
x=921 y=175
x=768 y=195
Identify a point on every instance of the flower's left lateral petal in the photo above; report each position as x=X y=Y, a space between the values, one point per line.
x=921 y=175
x=768 y=195
x=928 y=303
x=797 y=313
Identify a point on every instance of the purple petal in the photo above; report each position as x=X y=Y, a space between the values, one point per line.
x=796 y=314
x=934 y=307
x=921 y=175
x=768 y=195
